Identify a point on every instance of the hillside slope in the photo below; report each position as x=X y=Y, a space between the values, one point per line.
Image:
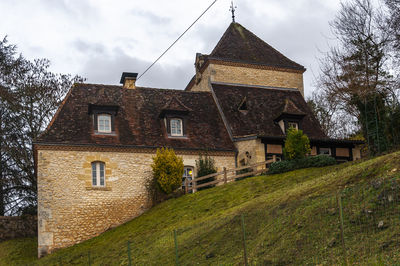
x=290 y=218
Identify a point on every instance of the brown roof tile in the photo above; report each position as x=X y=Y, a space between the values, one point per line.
x=264 y=105
x=240 y=45
x=137 y=122
x=290 y=108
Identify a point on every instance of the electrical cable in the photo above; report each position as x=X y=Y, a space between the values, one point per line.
x=177 y=39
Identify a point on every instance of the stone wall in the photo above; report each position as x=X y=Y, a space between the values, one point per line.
x=17 y=226
x=70 y=210
x=250 y=151
x=250 y=76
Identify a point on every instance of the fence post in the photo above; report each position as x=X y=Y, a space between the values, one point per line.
x=129 y=253
x=225 y=176
x=89 y=258
x=186 y=186
x=274 y=158
x=244 y=242
x=339 y=202
x=194 y=184
x=176 y=249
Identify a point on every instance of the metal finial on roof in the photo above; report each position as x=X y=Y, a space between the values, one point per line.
x=233 y=9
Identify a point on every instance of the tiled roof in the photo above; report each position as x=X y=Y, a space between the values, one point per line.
x=138 y=121
x=240 y=45
x=263 y=107
x=290 y=108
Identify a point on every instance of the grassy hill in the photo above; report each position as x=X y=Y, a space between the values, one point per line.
x=290 y=218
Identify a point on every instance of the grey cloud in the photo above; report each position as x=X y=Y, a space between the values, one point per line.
x=81 y=10
x=107 y=68
x=151 y=17
x=86 y=47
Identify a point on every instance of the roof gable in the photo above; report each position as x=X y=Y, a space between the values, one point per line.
x=290 y=108
x=174 y=104
x=240 y=45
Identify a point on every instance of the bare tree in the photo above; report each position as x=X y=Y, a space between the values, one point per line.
x=355 y=75
x=29 y=97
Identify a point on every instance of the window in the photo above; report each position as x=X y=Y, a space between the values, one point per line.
x=98 y=171
x=176 y=127
x=104 y=123
x=326 y=151
x=187 y=174
x=293 y=125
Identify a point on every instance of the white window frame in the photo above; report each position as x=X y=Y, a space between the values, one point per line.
x=180 y=123
x=98 y=174
x=105 y=118
x=293 y=123
x=325 y=149
x=187 y=175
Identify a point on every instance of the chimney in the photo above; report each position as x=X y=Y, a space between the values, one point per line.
x=128 y=79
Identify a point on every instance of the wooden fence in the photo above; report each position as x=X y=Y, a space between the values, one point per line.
x=229 y=175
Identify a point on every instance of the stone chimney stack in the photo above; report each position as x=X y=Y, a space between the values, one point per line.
x=128 y=79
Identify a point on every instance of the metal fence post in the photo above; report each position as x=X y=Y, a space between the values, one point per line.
x=129 y=254
x=89 y=258
x=176 y=249
x=244 y=242
x=339 y=201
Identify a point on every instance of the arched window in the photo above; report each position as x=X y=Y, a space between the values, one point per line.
x=98 y=174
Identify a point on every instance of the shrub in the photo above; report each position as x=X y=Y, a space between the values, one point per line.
x=167 y=170
x=297 y=144
x=205 y=165
x=312 y=161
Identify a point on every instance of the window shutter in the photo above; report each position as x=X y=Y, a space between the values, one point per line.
x=95 y=126
x=168 y=126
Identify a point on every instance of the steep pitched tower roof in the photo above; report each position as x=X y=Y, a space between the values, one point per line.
x=240 y=57
x=240 y=45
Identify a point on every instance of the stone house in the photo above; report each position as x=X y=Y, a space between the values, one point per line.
x=93 y=160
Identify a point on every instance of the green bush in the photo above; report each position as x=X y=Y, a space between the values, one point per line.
x=312 y=161
x=167 y=170
x=297 y=144
x=205 y=165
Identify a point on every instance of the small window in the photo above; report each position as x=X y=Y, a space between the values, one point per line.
x=98 y=174
x=104 y=123
x=293 y=125
x=326 y=151
x=176 y=127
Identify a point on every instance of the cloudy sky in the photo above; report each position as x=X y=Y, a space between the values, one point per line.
x=99 y=39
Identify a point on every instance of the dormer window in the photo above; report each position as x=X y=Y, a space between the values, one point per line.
x=294 y=125
x=243 y=106
x=103 y=118
x=176 y=127
x=104 y=123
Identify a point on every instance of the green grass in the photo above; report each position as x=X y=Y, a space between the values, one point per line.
x=290 y=218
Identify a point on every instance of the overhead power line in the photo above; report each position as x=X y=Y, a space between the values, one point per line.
x=177 y=39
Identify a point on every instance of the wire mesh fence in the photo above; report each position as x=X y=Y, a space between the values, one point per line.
x=356 y=225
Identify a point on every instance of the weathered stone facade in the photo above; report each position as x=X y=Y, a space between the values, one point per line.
x=71 y=210
x=216 y=72
x=250 y=151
